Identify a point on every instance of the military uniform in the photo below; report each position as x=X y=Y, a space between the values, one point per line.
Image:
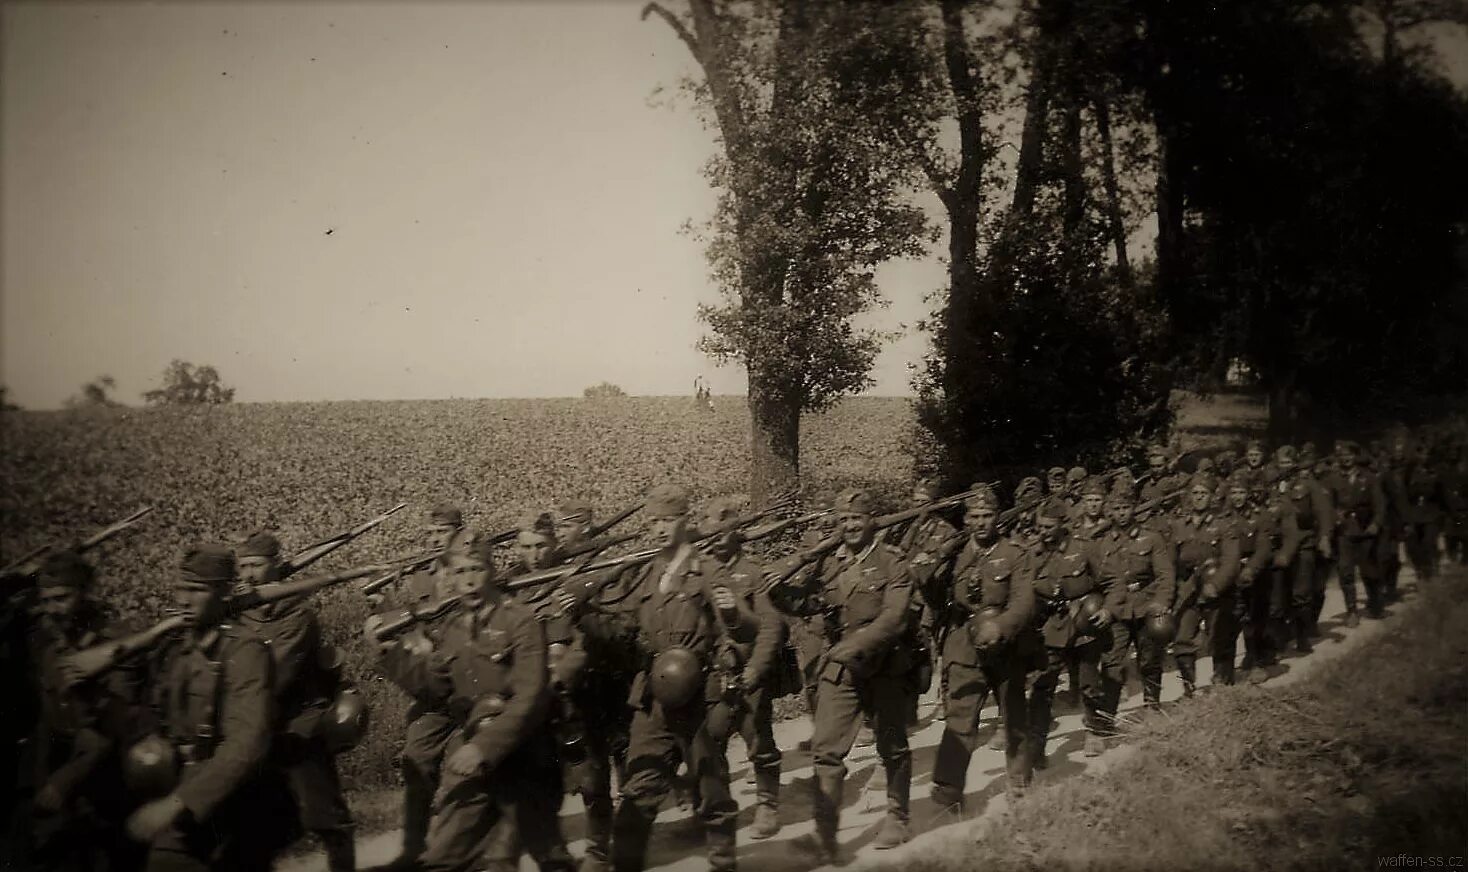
x=674 y=610
x=992 y=584
x=1424 y=498
x=1455 y=496
x=864 y=601
x=214 y=693
x=1137 y=569
x=76 y=749
x=1256 y=529
x=430 y=725
x=1208 y=562
x=1306 y=518
x=923 y=546
x=491 y=677
x=306 y=685
x=1361 y=505
x=761 y=684
x=1393 y=474
x=1064 y=575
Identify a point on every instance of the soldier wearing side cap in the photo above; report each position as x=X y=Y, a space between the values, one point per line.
x=1424 y=494
x=922 y=544
x=1027 y=493
x=1088 y=521
x=79 y=800
x=1208 y=563
x=1065 y=574
x=308 y=679
x=1361 y=515
x=862 y=591
x=590 y=679
x=1256 y=528
x=1138 y=569
x=696 y=636
x=214 y=691
x=500 y=788
x=762 y=675
x=430 y=725
x=1306 y=520
x=989 y=640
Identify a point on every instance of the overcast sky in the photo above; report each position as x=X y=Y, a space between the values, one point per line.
x=382 y=201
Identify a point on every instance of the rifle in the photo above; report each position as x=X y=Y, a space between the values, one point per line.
x=30 y=564
x=832 y=542
x=309 y=555
x=91 y=662
x=504 y=536
x=402 y=622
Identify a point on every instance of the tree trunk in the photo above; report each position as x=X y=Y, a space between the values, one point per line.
x=1070 y=162
x=1169 y=218
x=774 y=442
x=1115 y=221
x=962 y=199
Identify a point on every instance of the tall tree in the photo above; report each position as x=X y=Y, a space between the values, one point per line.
x=96 y=393
x=185 y=384
x=1041 y=350
x=810 y=204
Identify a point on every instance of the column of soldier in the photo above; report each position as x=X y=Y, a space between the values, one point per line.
x=208 y=742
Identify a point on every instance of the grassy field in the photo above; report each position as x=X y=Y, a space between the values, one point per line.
x=1364 y=760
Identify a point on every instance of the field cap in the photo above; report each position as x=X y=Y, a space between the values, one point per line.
x=573 y=511
x=983 y=497
x=856 y=501
x=447 y=515
x=537 y=524
x=666 y=501
x=207 y=565
x=260 y=545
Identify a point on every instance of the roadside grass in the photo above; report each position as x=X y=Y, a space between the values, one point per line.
x=1366 y=759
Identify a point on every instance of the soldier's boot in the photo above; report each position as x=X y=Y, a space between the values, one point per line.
x=826 y=812
x=632 y=828
x=1223 y=671
x=1095 y=745
x=894 y=829
x=1373 y=599
x=599 y=809
x=767 y=797
x=999 y=740
x=1187 y=670
x=720 y=840
x=418 y=790
x=1302 y=633
x=341 y=849
x=949 y=799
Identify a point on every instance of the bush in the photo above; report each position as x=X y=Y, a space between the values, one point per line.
x=603 y=391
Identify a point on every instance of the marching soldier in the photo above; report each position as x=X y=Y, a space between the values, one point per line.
x=1361 y=503
x=1207 y=565
x=922 y=545
x=1055 y=481
x=500 y=786
x=307 y=681
x=1425 y=499
x=687 y=699
x=1394 y=465
x=1255 y=528
x=80 y=801
x=430 y=725
x=1136 y=564
x=1306 y=518
x=1161 y=479
x=1087 y=520
x=761 y=676
x=1455 y=496
x=215 y=695
x=987 y=645
x=863 y=592
x=1070 y=595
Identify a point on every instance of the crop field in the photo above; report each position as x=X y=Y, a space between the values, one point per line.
x=308 y=471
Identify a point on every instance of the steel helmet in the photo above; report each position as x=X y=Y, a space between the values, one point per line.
x=1162 y=627
x=983 y=629
x=1092 y=603
x=676 y=677
x=345 y=723
x=150 y=767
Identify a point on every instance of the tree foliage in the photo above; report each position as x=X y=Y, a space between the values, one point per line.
x=96 y=393
x=810 y=203
x=185 y=384
x=603 y=391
